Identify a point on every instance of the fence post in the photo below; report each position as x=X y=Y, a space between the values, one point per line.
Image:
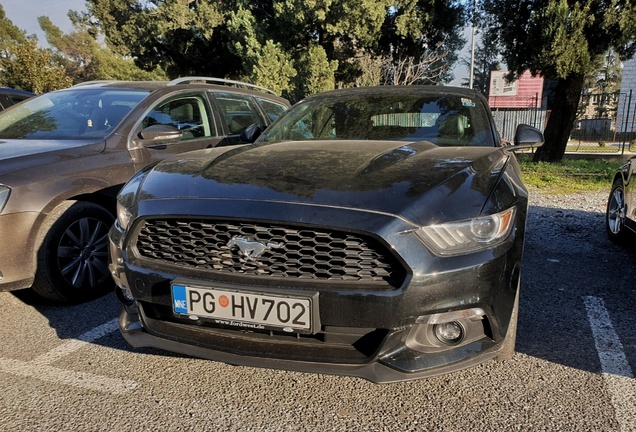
x=536 y=109
x=629 y=104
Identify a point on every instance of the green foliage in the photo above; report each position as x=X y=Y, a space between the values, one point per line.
x=272 y=68
x=86 y=60
x=569 y=175
x=34 y=69
x=563 y=26
x=10 y=35
x=311 y=45
x=108 y=66
x=316 y=72
x=295 y=47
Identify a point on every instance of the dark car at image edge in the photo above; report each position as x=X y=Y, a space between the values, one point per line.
x=64 y=156
x=10 y=97
x=374 y=232
x=620 y=217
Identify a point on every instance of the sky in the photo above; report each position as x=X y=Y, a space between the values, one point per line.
x=24 y=14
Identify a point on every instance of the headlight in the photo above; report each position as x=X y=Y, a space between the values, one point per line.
x=127 y=198
x=472 y=235
x=5 y=191
x=124 y=216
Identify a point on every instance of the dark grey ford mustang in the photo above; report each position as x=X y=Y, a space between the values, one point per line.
x=374 y=232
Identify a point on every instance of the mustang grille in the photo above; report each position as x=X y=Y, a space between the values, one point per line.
x=285 y=252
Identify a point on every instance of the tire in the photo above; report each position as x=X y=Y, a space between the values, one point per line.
x=507 y=350
x=615 y=214
x=72 y=262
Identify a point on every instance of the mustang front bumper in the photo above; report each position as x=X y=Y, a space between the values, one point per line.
x=403 y=362
x=450 y=313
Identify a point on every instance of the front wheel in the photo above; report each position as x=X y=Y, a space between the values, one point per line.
x=616 y=211
x=73 y=256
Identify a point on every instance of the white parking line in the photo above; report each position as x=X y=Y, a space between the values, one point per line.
x=75 y=344
x=39 y=367
x=616 y=371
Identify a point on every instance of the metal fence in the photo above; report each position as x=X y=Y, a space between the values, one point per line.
x=606 y=123
x=508 y=112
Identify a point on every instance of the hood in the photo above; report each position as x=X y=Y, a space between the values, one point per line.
x=415 y=181
x=19 y=154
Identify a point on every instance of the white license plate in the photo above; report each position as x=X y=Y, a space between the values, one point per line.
x=241 y=309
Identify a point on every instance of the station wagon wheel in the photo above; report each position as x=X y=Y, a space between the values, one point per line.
x=73 y=257
x=616 y=210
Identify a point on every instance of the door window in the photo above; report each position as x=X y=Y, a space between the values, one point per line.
x=273 y=110
x=238 y=112
x=188 y=114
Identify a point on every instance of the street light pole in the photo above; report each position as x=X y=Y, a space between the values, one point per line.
x=472 y=50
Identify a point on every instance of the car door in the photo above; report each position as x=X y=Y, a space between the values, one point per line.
x=630 y=195
x=176 y=124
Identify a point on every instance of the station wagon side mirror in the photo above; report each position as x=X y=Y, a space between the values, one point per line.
x=251 y=133
x=527 y=137
x=160 y=135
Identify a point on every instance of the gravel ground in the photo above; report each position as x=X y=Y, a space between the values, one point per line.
x=555 y=381
x=592 y=201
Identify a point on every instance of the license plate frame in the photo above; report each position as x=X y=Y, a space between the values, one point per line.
x=258 y=310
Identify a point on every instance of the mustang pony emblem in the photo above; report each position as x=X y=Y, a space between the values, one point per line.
x=250 y=250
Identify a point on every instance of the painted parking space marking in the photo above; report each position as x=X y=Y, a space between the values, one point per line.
x=616 y=371
x=40 y=368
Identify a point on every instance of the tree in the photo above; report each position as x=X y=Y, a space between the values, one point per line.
x=10 y=35
x=427 y=69
x=425 y=34
x=85 y=59
x=297 y=46
x=601 y=89
x=185 y=37
x=34 y=69
x=25 y=66
x=562 y=40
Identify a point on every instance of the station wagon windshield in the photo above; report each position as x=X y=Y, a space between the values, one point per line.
x=78 y=113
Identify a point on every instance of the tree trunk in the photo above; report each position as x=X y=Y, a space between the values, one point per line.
x=562 y=118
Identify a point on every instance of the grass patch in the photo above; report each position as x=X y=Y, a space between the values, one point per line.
x=569 y=175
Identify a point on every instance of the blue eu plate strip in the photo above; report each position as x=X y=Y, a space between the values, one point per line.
x=179 y=300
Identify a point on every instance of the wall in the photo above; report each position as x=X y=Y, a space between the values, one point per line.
x=626 y=118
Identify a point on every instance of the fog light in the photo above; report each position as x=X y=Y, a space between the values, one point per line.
x=450 y=333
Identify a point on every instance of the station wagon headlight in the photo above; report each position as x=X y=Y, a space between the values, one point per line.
x=467 y=236
x=127 y=199
x=124 y=216
x=5 y=191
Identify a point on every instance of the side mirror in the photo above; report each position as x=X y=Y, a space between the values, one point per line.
x=251 y=133
x=527 y=137
x=160 y=135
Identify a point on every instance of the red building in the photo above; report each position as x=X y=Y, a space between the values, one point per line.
x=525 y=92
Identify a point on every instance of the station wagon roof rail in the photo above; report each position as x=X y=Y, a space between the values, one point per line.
x=94 y=82
x=183 y=80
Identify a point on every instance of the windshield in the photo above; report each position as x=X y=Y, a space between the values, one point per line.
x=75 y=113
x=445 y=120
